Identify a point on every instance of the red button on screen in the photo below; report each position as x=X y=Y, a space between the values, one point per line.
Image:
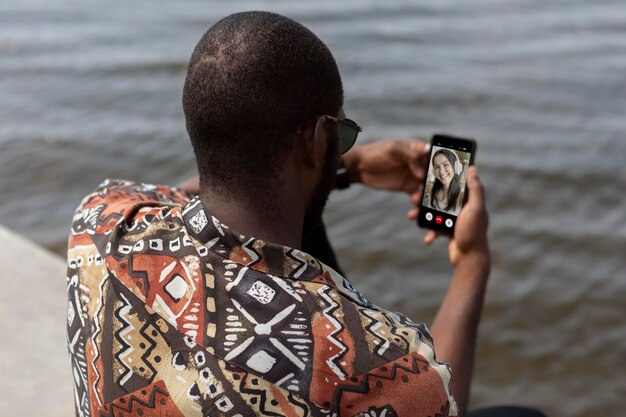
x=438 y=219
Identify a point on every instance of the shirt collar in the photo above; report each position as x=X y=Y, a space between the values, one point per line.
x=262 y=256
x=248 y=251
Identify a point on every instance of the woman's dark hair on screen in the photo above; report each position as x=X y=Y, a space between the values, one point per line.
x=453 y=190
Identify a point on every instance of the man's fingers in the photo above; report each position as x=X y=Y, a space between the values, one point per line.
x=471 y=225
x=416 y=197
x=411 y=152
x=430 y=237
x=411 y=157
x=418 y=162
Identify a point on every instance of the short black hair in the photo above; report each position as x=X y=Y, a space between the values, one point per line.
x=252 y=78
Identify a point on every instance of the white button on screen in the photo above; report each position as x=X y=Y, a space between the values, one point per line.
x=449 y=222
x=429 y=216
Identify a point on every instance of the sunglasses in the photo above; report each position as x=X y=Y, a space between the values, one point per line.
x=348 y=131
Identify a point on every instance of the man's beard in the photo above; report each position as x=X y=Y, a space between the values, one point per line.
x=313 y=215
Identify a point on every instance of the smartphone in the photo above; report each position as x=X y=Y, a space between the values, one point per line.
x=445 y=185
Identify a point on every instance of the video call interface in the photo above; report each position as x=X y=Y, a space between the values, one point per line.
x=445 y=184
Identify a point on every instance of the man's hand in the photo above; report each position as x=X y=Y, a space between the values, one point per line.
x=471 y=225
x=455 y=326
x=389 y=164
x=470 y=236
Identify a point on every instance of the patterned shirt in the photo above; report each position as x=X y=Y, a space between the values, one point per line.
x=172 y=313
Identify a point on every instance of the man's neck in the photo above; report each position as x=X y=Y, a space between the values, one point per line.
x=280 y=224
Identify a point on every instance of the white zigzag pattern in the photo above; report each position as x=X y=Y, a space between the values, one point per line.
x=253 y=255
x=127 y=329
x=95 y=335
x=384 y=343
x=296 y=254
x=323 y=292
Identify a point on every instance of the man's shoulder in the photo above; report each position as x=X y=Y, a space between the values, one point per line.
x=119 y=191
x=118 y=202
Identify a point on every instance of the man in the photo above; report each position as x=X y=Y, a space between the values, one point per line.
x=208 y=305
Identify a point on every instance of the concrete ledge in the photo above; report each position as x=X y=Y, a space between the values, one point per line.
x=35 y=373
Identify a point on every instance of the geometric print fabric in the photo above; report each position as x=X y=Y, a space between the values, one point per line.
x=172 y=313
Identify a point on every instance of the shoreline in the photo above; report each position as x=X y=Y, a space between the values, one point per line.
x=34 y=363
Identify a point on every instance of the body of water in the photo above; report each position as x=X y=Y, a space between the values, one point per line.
x=90 y=90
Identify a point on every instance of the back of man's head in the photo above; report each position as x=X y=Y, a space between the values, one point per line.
x=252 y=78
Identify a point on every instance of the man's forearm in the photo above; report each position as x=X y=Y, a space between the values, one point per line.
x=455 y=326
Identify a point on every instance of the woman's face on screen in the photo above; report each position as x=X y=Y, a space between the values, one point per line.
x=443 y=169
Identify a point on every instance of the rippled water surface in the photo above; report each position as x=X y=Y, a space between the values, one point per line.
x=92 y=90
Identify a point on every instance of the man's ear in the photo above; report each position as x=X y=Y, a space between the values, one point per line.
x=312 y=141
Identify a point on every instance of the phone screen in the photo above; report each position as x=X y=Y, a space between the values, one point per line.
x=445 y=190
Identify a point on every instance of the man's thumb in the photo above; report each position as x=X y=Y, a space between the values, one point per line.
x=476 y=192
